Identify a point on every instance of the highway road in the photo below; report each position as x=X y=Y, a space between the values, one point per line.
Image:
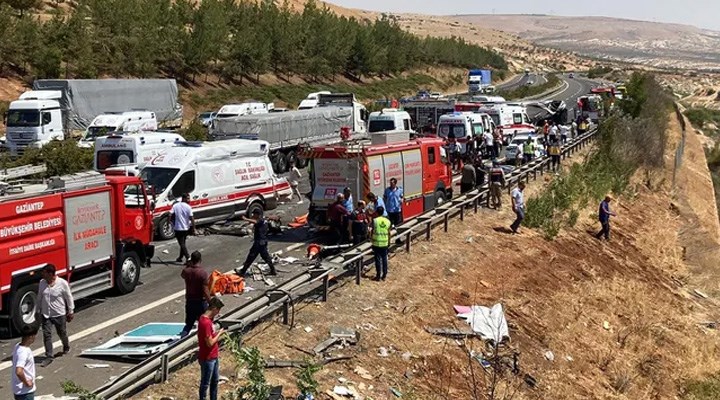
x=160 y=297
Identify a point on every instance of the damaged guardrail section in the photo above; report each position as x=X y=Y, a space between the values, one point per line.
x=345 y=265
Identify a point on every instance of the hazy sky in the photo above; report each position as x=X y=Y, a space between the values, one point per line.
x=702 y=13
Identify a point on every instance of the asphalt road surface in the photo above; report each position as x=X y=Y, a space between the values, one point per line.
x=160 y=297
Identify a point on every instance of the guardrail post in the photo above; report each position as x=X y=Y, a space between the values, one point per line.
x=445 y=223
x=408 y=239
x=475 y=203
x=326 y=284
x=535 y=173
x=286 y=313
x=164 y=370
x=427 y=230
x=358 y=270
x=462 y=212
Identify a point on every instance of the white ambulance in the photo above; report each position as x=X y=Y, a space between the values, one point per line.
x=131 y=121
x=224 y=180
x=464 y=126
x=130 y=152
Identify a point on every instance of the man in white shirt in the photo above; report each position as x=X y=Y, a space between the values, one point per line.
x=489 y=144
x=22 y=376
x=56 y=306
x=183 y=222
x=295 y=176
x=518 y=204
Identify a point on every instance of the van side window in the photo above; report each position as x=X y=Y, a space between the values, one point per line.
x=431 y=155
x=406 y=124
x=134 y=196
x=517 y=119
x=185 y=184
x=46 y=118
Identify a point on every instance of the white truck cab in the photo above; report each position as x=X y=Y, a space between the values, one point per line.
x=311 y=101
x=389 y=119
x=224 y=180
x=130 y=121
x=130 y=151
x=34 y=120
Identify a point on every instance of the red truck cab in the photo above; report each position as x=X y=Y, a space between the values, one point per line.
x=96 y=230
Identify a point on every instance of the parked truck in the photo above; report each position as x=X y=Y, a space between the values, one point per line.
x=59 y=108
x=288 y=131
x=96 y=230
x=478 y=80
x=426 y=113
x=419 y=166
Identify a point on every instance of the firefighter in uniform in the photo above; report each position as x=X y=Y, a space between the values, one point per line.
x=380 y=243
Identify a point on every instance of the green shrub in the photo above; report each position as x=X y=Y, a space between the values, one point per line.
x=707 y=389
x=599 y=71
x=60 y=157
x=195 y=132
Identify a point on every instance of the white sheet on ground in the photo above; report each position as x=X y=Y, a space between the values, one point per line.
x=489 y=323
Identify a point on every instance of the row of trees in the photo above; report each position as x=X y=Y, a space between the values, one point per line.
x=184 y=38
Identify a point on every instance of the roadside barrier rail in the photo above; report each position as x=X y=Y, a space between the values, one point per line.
x=317 y=277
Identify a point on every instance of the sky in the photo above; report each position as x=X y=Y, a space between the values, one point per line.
x=701 y=13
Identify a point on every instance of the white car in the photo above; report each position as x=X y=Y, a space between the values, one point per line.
x=516 y=145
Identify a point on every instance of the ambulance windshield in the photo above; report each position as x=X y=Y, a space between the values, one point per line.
x=158 y=179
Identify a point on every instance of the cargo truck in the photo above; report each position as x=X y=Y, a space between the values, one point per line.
x=478 y=80
x=287 y=132
x=419 y=166
x=425 y=114
x=96 y=230
x=61 y=108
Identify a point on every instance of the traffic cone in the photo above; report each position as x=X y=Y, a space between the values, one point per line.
x=313 y=250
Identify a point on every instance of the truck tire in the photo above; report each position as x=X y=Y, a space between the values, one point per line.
x=23 y=311
x=127 y=272
x=290 y=158
x=279 y=163
x=254 y=206
x=165 y=229
x=439 y=198
x=302 y=162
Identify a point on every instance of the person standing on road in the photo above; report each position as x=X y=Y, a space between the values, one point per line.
x=380 y=243
x=564 y=129
x=574 y=129
x=197 y=292
x=497 y=183
x=56 y=306
x=518 y=204
x=337 y=216
x=604 y=215
x=554 y=151
x=393 y=199
x=209 y=350
x=489 y=144
x=260 y=243
x=295 y=176
x=528 y=150
x=468 y=178
x=375 y=203
x=359 y=221
x=348 y=203
x=181 y=216
x=23 y=366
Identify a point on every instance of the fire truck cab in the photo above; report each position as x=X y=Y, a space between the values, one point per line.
x=419 y=166
x=96 y=230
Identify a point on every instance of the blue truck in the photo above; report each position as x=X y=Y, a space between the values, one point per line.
x=478 y=80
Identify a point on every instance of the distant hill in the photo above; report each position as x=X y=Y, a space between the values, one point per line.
x=657 y=44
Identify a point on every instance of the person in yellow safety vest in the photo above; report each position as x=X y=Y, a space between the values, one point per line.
x=380 y=242
x=554 y=151
x=528 y=151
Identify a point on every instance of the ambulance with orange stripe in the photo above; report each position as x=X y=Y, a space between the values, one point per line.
x=367 y=166
x=224 y=179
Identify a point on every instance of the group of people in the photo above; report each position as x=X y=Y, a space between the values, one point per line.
x=483 y=145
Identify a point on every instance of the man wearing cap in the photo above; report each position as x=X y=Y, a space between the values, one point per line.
x=208 y=350
x=497 y=182
x=260 y=243
x=604 y=215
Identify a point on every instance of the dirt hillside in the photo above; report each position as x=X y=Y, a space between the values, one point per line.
x=589 y=319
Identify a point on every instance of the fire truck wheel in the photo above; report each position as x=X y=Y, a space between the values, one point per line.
x=439 y=198
x=24 y=307
x=254 y=206
x=279 y=163
x=127 y=273
x=165 y=229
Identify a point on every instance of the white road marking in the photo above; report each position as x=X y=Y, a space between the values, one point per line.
x=110 y=322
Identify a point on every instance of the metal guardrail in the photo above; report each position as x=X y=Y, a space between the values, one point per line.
x=346 y=264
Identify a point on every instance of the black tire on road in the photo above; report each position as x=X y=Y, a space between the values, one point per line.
x=23 y=310
x=279 y=163
x=127 y=272
x=255 y=205
x=165 y=229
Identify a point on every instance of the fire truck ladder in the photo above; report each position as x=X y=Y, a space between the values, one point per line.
x=56 y=184
x=12 y=179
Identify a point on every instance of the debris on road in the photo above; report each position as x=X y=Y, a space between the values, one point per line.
x=363 y=373
x=549 y=355
x=450 y=332
x=308 y=329
x=94 y=366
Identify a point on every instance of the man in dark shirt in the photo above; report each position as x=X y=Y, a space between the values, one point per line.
x=260 y=242
x=197 y=292
x=337 y=216
x=359 y=221
x=604 y=215
x=468 y=179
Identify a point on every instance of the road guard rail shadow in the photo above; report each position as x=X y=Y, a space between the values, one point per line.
x=350 y=263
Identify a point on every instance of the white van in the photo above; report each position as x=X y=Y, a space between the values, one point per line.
x=463 y=126
x=131 y=151
x=389 y=119
x=130 y=121
x=224 y=179
x=311 y=101
x=238 y=110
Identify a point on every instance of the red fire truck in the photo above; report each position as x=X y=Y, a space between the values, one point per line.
x=419 y=166
x=95 y=229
